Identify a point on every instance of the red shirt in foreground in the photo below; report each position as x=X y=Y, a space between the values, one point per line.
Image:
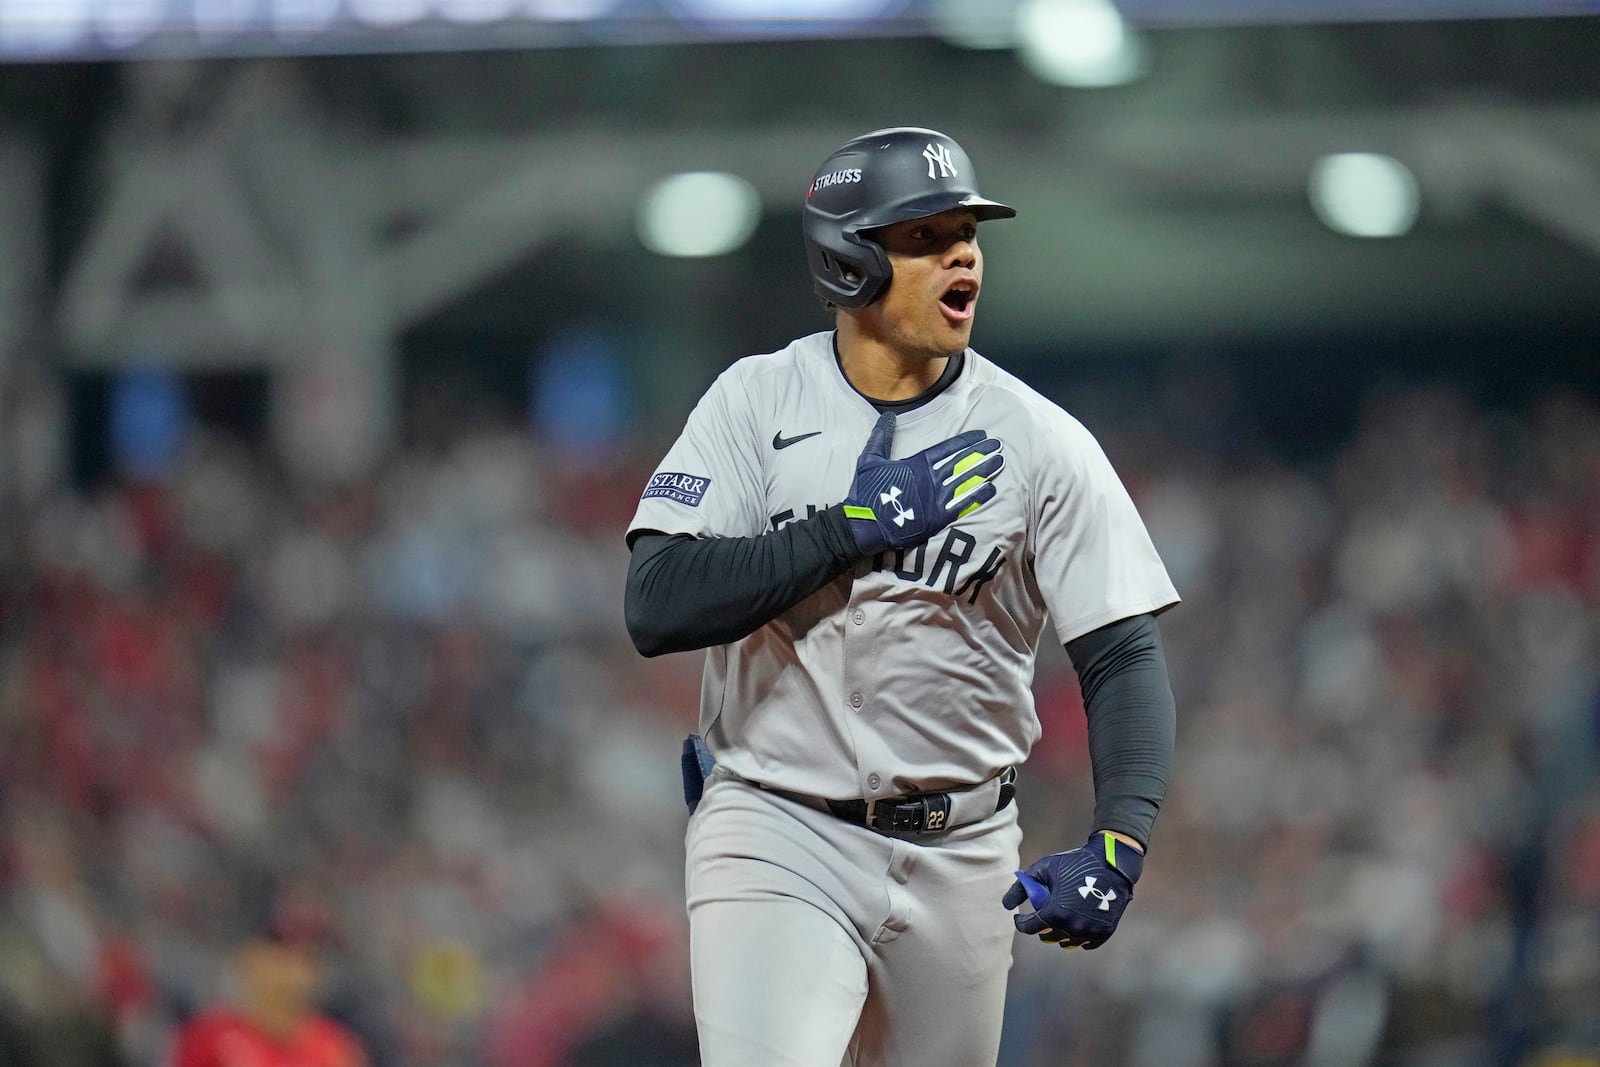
x=225 y=1039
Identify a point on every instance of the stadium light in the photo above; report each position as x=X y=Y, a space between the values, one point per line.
x=700 y=213
x=1080 y=43
x=1364 y=194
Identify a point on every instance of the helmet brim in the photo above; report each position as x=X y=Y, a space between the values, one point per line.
x=988 y=209
x=922 y=207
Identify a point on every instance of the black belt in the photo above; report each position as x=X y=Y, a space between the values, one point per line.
x=914 y=813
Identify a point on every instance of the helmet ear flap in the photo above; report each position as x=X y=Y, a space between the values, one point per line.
x=850 y=277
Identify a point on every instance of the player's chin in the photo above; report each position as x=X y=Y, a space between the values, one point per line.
x=954 y=336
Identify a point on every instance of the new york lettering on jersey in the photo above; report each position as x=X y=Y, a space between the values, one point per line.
x=956 y=549
x=958 y=562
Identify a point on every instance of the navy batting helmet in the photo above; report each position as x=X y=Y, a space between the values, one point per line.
x=880 y=178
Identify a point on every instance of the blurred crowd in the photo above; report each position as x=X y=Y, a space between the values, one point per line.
x=1382 y=844
x=410 y=702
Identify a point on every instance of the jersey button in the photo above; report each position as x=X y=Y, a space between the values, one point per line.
x=872 y=781
x=855 y=700
x=858 y=617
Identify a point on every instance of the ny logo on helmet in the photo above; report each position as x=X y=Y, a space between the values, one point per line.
x=1106 y=896
x=939 y=154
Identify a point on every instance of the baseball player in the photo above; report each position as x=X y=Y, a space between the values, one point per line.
x=867 y=531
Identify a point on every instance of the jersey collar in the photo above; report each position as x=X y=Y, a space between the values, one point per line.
x=929 y=400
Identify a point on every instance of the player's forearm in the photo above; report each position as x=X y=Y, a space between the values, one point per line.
x=693 y=592
x=1132 y=722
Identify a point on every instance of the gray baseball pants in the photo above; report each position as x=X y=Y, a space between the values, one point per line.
x=817 y=943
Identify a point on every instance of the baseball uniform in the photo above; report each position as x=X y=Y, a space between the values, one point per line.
x=817 y=940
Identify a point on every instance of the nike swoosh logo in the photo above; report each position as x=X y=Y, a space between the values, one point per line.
x=779 y=441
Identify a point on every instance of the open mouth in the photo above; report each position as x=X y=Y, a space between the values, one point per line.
x=957 y=300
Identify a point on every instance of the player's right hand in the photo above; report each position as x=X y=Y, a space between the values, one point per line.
x=900 y=503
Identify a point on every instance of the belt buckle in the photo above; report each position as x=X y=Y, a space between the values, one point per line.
x=922 y=813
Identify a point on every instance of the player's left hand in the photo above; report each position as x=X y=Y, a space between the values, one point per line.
x=1079 y=896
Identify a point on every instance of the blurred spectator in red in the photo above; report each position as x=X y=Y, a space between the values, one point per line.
x=275 y=1020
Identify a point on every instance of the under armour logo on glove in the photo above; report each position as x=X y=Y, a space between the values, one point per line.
x=892 y=498
x=1078 y=897
x=900 y=503
x=1087 y=889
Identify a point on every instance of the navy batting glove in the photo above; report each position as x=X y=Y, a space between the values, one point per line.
x=1078 y=897
x=899 y=503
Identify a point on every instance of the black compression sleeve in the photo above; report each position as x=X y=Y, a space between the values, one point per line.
x=692 y=592
x=1132 y=722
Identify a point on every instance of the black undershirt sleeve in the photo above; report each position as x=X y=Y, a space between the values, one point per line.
x=1133 y=725
x=688 y=592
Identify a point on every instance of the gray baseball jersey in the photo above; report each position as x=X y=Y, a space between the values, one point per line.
x=912 y=672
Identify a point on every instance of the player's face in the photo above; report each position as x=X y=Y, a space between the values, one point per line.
x=931 y=300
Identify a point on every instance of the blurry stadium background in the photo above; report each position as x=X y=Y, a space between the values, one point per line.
x=337 y=338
